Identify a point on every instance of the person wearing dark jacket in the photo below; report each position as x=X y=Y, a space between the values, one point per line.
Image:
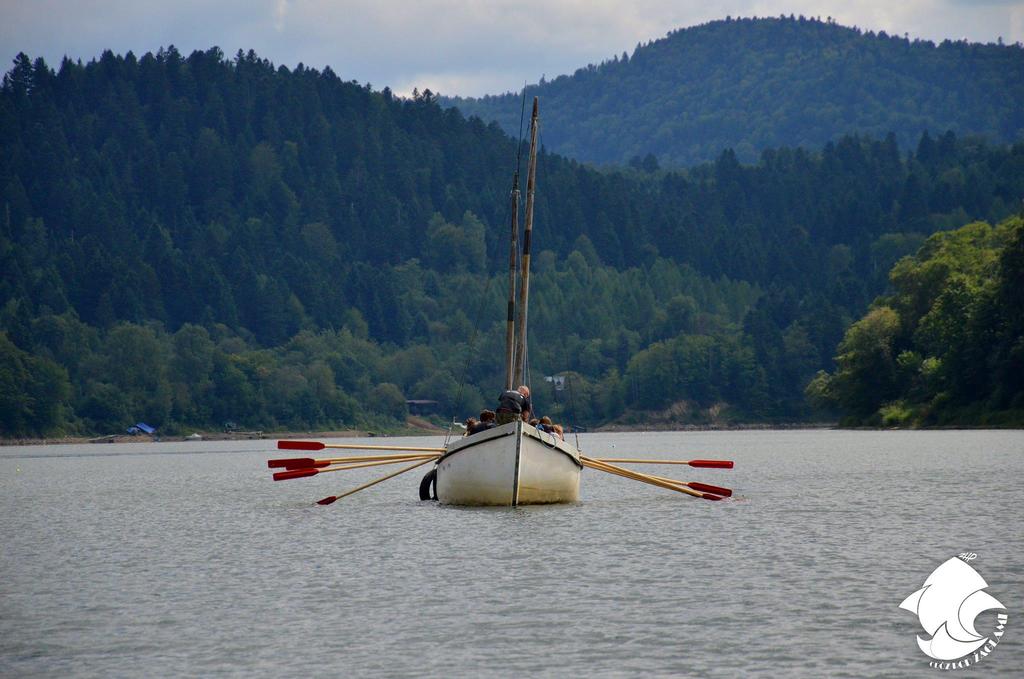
x=514 y=404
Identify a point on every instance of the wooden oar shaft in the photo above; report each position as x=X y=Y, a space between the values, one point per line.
x=359 y=446
x=698 y=486
x=335 y=498
x=368 y=458
x=307 y=462
x=723 y=464
x=667 y=480
x=643 y=479
x=636 y=476
x=378 y=463
x=639 y=461
x=289 y=444
x=301 y=472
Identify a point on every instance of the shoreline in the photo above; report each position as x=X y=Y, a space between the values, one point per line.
x=201 y=436
x=198 y=437
x=424 y=428
x=416 y=427
x=751 y=426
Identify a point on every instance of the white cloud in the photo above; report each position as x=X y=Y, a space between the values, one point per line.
x=453 y=82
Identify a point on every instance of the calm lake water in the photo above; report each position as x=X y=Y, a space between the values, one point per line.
x=174 y=559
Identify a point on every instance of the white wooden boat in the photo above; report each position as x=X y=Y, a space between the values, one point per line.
x=515 y=463
x=512 y=464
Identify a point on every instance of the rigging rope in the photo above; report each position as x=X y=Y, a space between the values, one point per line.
x=469 y=357
x=542 y=168
x=519 y=146
x=483 y=298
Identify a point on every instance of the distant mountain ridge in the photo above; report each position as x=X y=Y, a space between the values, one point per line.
x=752 y=84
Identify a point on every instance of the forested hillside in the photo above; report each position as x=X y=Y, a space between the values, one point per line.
x=752 y=84
x=947 y=346
x=187 y=241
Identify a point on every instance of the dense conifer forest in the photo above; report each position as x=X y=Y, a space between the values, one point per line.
x=754 y=84
x=194 y=240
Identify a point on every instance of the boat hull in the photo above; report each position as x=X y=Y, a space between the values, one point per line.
x=513 y=464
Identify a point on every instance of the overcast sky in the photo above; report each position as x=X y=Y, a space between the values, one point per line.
x=456 y=47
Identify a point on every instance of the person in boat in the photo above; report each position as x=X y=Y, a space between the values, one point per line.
x=471 y=426
x=527 y=403
x=487 y=421
x=545 y=424
x=557 y=430
x=513 y=404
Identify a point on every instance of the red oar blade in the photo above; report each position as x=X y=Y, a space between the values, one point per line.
x=298 y=463
x=295 y=474
x=708 y=496
x=300 y=445
x=712 y=464
x=327 y=500
x=705 y=488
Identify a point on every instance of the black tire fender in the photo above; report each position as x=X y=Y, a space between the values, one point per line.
x=428 y=486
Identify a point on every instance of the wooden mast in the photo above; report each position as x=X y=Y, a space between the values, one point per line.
x=513 y=260
x=524 y=289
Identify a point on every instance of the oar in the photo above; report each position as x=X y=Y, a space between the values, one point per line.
x=707 y=464
x=302 y=472
x=305 y=462
x=619 y=471
x=317 y=445
x=334 y=498
x=697 y=485
x=644 y=478
x=636 y=476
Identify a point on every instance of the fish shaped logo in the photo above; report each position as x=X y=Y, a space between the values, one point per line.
x=947 y=605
